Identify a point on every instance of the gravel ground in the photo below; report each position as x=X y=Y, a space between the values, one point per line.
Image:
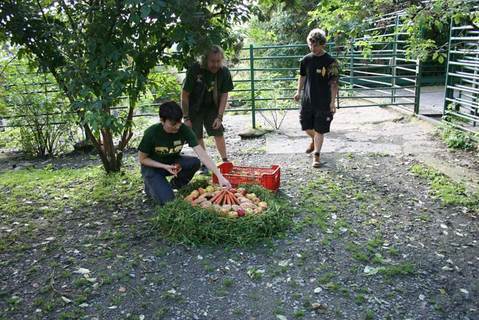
x=370 y=241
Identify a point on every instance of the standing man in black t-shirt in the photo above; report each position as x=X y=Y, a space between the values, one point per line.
x=204 y=97
x=319 y=75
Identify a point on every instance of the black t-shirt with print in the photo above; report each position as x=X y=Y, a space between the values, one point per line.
x=320 y=72
x=196 y=76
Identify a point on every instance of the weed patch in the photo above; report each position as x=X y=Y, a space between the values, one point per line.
x=450 y=192
x=457 y=139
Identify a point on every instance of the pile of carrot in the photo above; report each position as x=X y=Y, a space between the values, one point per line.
x=225 y=197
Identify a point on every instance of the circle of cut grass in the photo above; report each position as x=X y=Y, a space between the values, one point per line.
x=179 y=221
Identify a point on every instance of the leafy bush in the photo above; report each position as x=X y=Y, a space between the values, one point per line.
x=457 y=139
x=38 y=116
x=9 y=138
x=45 y=128
x=181 y=222
x=164 y=85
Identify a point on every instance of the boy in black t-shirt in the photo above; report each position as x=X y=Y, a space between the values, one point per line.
x=159 y=155
x=319 y=75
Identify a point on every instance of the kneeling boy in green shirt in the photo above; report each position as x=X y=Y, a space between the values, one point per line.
x=159 y=155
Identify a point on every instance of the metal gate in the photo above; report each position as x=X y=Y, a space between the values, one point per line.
x=374 y=72
x=461 y=106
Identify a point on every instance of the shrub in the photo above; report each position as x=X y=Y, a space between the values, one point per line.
x=45 y=128
x=456 y=139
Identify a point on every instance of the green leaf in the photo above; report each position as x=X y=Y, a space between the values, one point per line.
x=145 y=11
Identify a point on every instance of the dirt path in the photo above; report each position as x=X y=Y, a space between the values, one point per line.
x=370 y=241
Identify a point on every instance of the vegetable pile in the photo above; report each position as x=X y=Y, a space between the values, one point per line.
x=231 y=203
x=187 y=222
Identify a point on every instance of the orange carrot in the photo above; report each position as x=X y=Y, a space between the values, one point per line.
x=215 y=197
x=236 y=200
x=225 y=201
x=219 y=198
x=232 y=198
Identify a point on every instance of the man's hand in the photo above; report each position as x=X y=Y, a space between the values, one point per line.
x=332 y=107
x=297 y=96
x=188 y=123
x=171 y=168
x=217 y=123
x=223 y=182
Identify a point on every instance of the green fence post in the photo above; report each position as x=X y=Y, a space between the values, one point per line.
x=351 y=64
x=417 y=92
x=251 y=66
x=394 y=61
x=448 y=92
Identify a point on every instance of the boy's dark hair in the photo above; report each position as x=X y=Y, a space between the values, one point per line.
x=317 y=36
x=170 y=110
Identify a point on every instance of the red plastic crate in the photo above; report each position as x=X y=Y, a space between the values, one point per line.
x=269 y=178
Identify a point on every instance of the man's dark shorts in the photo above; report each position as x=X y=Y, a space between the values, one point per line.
x=205 y=118
x=312 y=118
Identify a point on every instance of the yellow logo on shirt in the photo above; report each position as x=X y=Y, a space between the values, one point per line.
x=322 y=71
x=168 y=150
x=211 y=87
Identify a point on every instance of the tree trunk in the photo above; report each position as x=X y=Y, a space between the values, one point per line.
x=111 y=154
x=110 y=159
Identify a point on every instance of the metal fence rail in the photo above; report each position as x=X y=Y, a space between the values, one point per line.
x=462 y=77
x=265 y=78
x=378 y=74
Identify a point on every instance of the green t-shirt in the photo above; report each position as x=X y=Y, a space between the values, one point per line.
x=196 y=74
x=166 y=147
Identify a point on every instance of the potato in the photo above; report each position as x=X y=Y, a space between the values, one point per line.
x=199 y=200
x=208 y=194
x=195 y=193
x=263 y=205
x=247 y=205
x=243 y=199
x=205 y=204
x=189 y=198
x=232 y=214
x=223 y=214
x=201 y=190
x=249 y=211
x=235 y=207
